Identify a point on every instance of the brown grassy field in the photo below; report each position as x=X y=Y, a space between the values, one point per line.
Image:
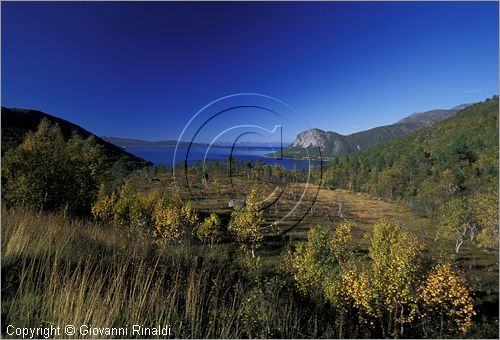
x=57 y=270
x=363 y=210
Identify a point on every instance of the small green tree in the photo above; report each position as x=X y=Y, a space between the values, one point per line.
x=485 y=210
x=473 y=218
x=312 y=260
x=455 y=221
x=316 y=264
x=86 y=166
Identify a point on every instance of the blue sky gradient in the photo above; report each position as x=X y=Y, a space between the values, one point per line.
x=141 y=70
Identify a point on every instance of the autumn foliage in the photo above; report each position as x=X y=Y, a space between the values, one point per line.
x=447 y=300
x=164 y=217
x=389 y=290
x=246 y=221
x=47 y=172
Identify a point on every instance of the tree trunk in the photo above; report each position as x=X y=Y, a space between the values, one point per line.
x=442 y=324
x=341 y=326
x=458 y=243
x=402 y=324
x=472 y=231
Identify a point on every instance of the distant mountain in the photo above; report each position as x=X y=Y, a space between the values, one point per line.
x=140 y=143
x=472 y=133
x=254 y=145
x=17 y=122
x=333 y=144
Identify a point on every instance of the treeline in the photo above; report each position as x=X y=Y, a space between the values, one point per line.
x=456 y=159
x=257 y=170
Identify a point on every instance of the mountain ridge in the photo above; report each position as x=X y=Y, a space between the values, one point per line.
x=332 y=144
x=16 y=122
x=140 y=143
x=143 y=143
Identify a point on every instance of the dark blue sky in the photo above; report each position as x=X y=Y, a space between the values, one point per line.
x=143 y=69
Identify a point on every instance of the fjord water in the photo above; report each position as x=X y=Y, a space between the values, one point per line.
x=165 y=155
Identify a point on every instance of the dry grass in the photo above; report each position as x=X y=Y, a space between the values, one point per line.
x=60 y=271
x=56 y=272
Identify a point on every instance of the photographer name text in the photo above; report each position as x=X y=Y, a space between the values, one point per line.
x=87 y=330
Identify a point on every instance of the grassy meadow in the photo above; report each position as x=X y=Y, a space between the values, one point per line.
x=61 y=270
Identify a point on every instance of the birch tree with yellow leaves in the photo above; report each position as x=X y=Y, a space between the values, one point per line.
x=246 y=221
x=447 y=301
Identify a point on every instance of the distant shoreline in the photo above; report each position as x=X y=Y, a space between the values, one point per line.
x=296 y=159
x=185 y=144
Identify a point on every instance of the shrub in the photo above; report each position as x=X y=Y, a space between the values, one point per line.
x=121 y=208
x=210 y=230
x=245 y=221
x=142 y=208
x=317 y=264
x=173 y=219
x=103 y=207
x=447 y=300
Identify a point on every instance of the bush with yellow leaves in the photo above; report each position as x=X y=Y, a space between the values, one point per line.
x=173 y=219
x=246 y=221
x=386 y=290
x=358 y=289
x=210 y=229
x=142 y=208
x=121 y=208
x=102 y=208
x=447 y=300
x=149 y=211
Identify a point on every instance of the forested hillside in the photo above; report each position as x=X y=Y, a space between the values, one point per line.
x=462 y=150
x=453 y=163
x=16 y=123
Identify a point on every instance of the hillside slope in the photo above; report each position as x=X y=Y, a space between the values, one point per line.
x=17 y=122
x=455 y=157
x=473 y=130
x=333 y=144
